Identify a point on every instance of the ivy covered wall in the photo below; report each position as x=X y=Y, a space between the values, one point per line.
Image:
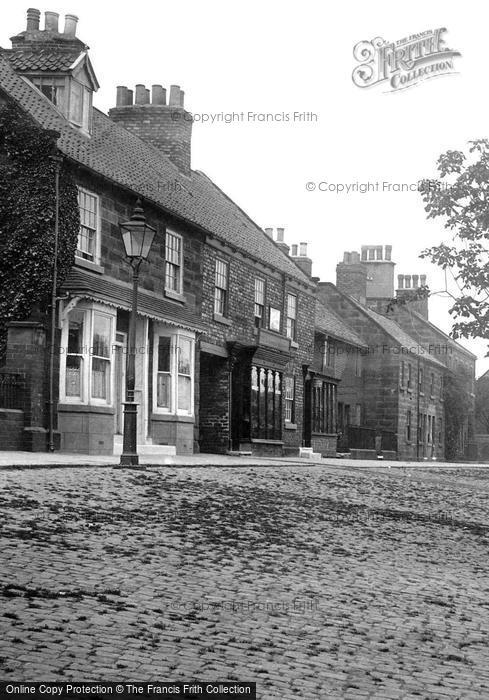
x=27 y=216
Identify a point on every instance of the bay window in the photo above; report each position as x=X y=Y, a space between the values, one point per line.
x=173 y=381
x=86 y=356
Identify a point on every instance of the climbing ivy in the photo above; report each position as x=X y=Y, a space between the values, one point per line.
x=27 y=216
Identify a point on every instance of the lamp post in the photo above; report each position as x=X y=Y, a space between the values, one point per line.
x=137 y=237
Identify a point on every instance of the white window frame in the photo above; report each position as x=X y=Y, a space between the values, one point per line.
x=224 y=290
x=89 y=311
x=291 y=320
x=98 y=235
x=175 y=334
x=179 y=291
x=289 y=398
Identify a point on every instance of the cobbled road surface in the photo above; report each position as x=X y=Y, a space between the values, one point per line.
x=315 y=582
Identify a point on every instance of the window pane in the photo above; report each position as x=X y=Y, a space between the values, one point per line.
x=164 y=345
x=101 y=336
x=184 y=387
x=100 y=378
x=75 y=332
x=259 y=291
x=74 y=366
x=76 y=103
x=291 y=305
x=163 y=390
x=184 y=356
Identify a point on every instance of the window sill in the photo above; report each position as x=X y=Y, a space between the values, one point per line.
x=222 y=319
x=290 y=426
x=263 y=441
x=294 y=345
x=172 y=418
x=89 y=265
x=84 y=408
x=176 y=296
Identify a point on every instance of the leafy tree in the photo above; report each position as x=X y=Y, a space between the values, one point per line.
x=461 y=197
x=27 y=215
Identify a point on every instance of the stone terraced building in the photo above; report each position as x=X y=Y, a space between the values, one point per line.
x=240 y=349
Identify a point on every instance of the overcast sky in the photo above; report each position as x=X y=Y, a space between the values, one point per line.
x=284 y=57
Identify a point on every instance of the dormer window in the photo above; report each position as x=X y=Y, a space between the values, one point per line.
x=74 y=103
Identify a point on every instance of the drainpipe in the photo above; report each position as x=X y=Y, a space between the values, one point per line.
x=57 y=164
x=417 y=412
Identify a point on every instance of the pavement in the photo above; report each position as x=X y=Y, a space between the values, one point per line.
x=19 y=459
x=343 y=580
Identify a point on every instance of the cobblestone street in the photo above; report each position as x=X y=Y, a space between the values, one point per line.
x=315 y=581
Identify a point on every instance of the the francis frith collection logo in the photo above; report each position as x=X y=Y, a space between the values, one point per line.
x=403 y=63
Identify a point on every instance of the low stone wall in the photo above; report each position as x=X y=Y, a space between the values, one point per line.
x=11 y=429
x=324 y=444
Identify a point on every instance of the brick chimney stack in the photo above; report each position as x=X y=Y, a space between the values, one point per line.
x=301 y=258
x=406 y=289
x=351 y=276
x=281 y=241
x=168 y=127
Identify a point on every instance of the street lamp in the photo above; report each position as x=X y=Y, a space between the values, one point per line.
x=137 y=237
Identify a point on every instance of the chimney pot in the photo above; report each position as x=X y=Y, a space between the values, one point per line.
x=280 y=235
x=70 y=25
x=294 y=250
x=388 y=252
x=51 y=20
x=148 y=96
x=33 y=19
x=174 y=96
x=303 y=250
x=130 y=97
x=121 y=99
x=355 y=257
x=269 y=232
x=407 y=281
x=182 y=98
x=141 y=94
x=423 y=280
x=415 y=281
x=400 y=281
x=158 y=96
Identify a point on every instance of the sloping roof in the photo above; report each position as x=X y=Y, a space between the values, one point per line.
x=328 y=322
x=440 y=332
x=394 y=330
x=124 y=159
x=48 y=59
x=92 y=286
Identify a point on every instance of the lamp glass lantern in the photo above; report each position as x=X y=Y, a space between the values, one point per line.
x=137 y=235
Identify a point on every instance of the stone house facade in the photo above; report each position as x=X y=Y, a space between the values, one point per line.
x=226 y=316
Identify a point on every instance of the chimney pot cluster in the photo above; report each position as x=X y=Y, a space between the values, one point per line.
x=371 y=253
x=51 y=22
x=411 y=281
x=156 y=96
x=351 y=258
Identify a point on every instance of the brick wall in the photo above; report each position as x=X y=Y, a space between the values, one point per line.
x=167 y=128
x=241 y=295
